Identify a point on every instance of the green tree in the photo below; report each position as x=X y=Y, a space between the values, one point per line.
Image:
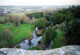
x=57 y=17
x=48 y=36
x=5 y=38
x=36 y=15
x=41 y=23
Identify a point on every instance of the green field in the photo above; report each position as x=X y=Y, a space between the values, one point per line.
x=18 y=14
x=20 y=32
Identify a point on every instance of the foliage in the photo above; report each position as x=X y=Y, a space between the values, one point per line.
x=59 y=17
x=22 y=21
x=2 y=20
x=73 y=34
x=3 y=43
x=41 y=23
x=17 y=46
x=60 y=39
x=5 y=38
x=7 y=35
x=36 y=48
x=36 y=15
x=15 y=35
x=23 y=31
x=75 y=10
x=48 y=36
x=16 y=20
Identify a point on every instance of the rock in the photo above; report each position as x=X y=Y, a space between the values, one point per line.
x=66 y=50
x=39 y=32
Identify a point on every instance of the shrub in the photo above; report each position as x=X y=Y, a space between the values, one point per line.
x=36 y=15
x=0 y=26
x=73 y=34
x=41 y=23
x=16 y=20
x=17 y=46
x=60 y=39
x=3 y=43
x=2 y=20
x=36 y=48
x=6 y=35
x=48 y=36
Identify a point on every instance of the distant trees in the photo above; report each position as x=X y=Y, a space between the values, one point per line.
x=59 y=17
x=3 y=20
x=16 y=20
x=36 y=15
x=75 y=10
x=48 y=14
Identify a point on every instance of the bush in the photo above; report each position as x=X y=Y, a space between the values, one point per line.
x=73 y=34
x=17 y=46
x=0 y=26
x=3 y=43
x=36 y=48
x=17 y=21
x=41 y=23
x=2 y=20
x=36 y=15
x=48 y=36
x=6 y=35
x=60 y=39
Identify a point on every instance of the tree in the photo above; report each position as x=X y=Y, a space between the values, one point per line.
x=57 y=17
x=73 y=33
x=5 y=38
x=36 y=15
x=48 y=36
x=75 y=10
x=69 y=16
x=41 y=23
x=16 y=20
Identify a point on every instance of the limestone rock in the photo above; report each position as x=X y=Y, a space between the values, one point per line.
x=66 y=50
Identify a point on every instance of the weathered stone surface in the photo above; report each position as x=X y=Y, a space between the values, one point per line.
x=67 y=50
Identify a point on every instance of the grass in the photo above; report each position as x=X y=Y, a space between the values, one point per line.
x=23 y=31
x=59 y=40
x=18 y=14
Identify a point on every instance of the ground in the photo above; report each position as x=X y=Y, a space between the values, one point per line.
x=23 y=31
x=60 y=39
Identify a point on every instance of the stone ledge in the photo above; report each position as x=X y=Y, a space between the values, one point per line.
x=66 y=50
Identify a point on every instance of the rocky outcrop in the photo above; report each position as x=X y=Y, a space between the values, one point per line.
x=67 y=50
x=31 y=43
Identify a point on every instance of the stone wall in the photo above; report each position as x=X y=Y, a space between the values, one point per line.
x=66 y=50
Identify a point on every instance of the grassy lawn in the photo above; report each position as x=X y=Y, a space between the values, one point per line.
x=23 y=31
